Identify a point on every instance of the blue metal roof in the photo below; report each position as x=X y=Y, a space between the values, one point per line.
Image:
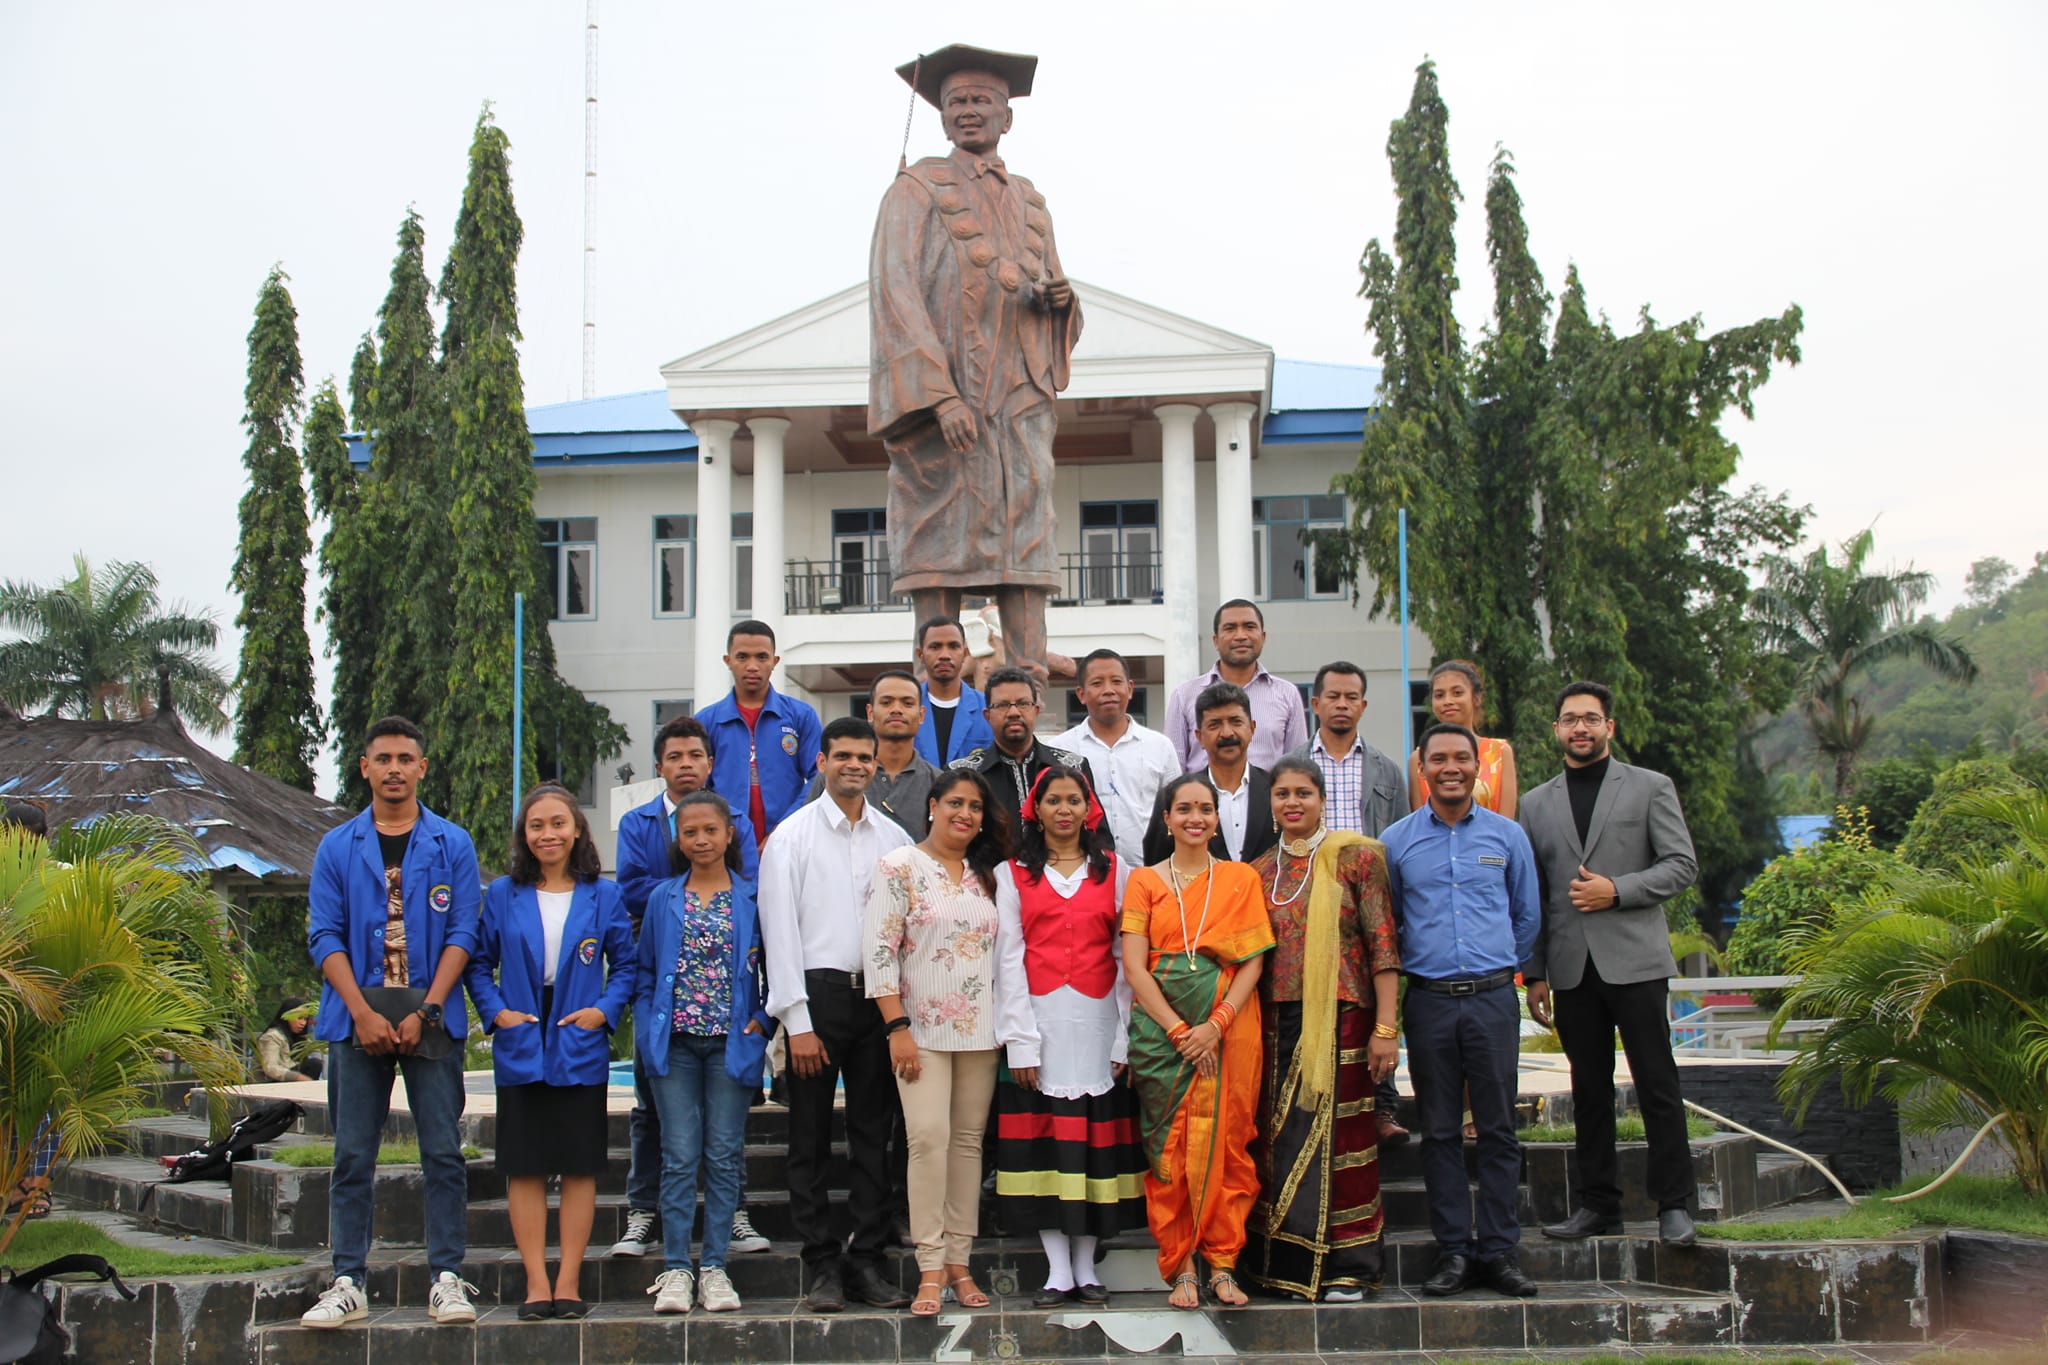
x=1312 y=402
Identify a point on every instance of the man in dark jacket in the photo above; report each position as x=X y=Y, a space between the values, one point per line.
x=1018 y=756
x=1244 y=794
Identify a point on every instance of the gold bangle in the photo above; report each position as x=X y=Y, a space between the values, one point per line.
x=1385 y=1031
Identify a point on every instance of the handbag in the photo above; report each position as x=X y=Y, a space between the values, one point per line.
x=31 y=1333
x=395 y=1003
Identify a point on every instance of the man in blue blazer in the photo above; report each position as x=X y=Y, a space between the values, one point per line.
x=955 y=723
x=394 y=903
x=683 y=755
x=765 y=744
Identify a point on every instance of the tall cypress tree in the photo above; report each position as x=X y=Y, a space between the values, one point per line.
x=277 y=723
x=406 y=502
x=1569 y=505
x=492 y=483
x=348 y=595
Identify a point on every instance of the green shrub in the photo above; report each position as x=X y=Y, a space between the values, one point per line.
x=1803 y=888
x=1942 y=838
x=1890 y=792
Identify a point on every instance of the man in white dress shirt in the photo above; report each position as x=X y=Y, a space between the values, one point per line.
x=1130 y=762
x=815 y=875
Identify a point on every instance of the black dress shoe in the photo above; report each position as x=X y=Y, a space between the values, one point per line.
x=1454 y=1274
x=1092 y=1294
x=825 y=1294
x=1675 y=1228
x=867 y=1286
x=1505 y=1273
x=571 y=1309
x=536 y=1310
x=1050 y=1298
x=1582 y=1224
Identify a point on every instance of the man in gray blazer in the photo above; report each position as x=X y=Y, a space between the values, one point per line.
x=1611 y=848
x=1366 y=792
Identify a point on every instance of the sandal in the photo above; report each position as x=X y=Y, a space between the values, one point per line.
x=1185 y=1280
x=35 y=1197
x=1223 y=1277
x=928 y=1307
x=970 y=1297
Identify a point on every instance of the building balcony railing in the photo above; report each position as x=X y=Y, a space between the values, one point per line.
x=1116 y=578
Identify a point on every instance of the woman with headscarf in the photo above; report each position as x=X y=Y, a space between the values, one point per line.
x=275 y=1045
x=1328 y=1001
x=1067 y=1158
x=1194 y=938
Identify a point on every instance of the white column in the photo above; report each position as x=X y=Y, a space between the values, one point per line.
x=1178 y=542
x=768 y=518
x=714 y=557
x=1233 y=499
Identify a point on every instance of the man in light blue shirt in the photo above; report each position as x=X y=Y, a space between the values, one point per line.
x=1470 y=912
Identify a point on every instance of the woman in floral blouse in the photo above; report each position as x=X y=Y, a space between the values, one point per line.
x=1328 y=995
x=932 y=964
x=702 y=1032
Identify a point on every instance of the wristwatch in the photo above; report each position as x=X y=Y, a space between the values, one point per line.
x=432 y=1014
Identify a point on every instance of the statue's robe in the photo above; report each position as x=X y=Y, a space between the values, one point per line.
x=961 y=250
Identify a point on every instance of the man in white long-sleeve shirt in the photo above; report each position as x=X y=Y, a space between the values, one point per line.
x=815 y=874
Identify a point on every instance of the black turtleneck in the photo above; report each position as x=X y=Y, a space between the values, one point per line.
x=1583 y=784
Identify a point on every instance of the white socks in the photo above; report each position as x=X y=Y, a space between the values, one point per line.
x=1059 y=1268
x=1083 y=1259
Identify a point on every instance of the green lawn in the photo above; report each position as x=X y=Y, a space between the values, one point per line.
x=1628 y=1128
x=1981 y=1202
x=395 y=1152
x=46 y=1241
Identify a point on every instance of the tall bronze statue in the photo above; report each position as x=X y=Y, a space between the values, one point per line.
x=973 y=328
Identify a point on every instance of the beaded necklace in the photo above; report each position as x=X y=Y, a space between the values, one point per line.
x=1300 y=848
x=1179 y=888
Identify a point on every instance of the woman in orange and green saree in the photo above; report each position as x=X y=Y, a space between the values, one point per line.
x=1194 y=935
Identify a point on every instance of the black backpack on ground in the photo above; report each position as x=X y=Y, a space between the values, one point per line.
x=215 y=1160
x=30 y=1331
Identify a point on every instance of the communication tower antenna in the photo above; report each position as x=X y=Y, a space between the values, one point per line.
x=590 y=201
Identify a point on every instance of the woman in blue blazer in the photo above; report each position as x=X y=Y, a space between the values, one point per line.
x=702 y=1037
x=552 y=974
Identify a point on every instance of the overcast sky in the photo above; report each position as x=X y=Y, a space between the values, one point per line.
x=1873 y=163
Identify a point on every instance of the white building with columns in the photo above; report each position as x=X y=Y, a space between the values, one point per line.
x=1189 y=462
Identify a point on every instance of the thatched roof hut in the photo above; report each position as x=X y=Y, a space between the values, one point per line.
x=258 y=834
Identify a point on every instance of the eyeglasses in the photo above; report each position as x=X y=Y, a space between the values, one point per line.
x=1592 y=718
x=999 y=707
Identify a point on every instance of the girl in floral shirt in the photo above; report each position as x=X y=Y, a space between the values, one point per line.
x=702 y=1039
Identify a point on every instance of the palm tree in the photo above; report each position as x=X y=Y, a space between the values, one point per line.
x=99 y=646
x=111 y=952
x=1936 y=988
x=1833 y=621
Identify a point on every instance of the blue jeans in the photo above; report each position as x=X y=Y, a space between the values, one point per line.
x=643 y=1172
x=358 y=1101
x=703 y=1115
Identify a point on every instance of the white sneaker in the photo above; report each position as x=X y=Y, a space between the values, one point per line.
x=342 y=1301
x=1343 y=1294
x=640 y=1225
x=744 y=1238
x=671 y=1290
x=715 y=1290
x=448 y=1301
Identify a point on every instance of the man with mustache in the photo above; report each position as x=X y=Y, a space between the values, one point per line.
x=1012 y=764
x=1244 y=792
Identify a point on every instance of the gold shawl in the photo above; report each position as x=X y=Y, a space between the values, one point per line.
x=1321 y=944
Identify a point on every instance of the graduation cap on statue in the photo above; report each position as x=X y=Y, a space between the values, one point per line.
x=928 y=73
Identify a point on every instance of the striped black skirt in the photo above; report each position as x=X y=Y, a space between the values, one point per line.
x=1069 y=1165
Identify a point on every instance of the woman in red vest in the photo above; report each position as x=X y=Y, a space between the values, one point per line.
x=1068 y=1162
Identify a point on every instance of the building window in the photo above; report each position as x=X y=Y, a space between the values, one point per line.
x=1283 y=566
x=666 y=711
x=568 y=552
x=1119 y=551
x=675 y=565
x=860 y=555
x=1139 y=710
x=743 y=564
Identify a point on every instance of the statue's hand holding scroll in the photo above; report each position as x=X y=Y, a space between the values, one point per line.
x=956 y=424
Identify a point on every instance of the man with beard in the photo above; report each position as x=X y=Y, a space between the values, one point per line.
x=1238 y=631
x=1016 y=758
x=1244 y=791
x=1607 y=956
x=953 y=725
x=903 y=779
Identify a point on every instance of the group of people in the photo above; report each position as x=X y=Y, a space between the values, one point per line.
x=1129 y=979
